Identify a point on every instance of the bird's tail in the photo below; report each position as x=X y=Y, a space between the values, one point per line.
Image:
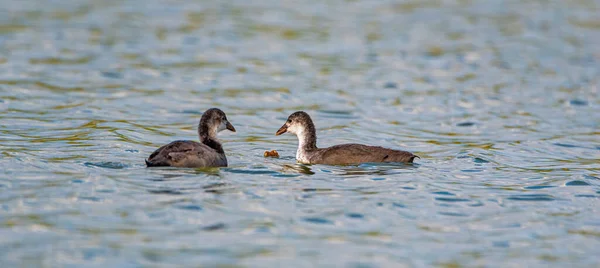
x=155 y=163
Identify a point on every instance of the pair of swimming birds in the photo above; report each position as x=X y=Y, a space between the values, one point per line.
x=209 y=151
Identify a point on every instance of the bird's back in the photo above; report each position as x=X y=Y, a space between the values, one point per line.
x=346 y=154
x=186 y=154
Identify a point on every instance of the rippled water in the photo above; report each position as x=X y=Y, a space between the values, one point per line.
x=500 y=99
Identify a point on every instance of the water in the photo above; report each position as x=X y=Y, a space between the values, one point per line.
x=499 y=99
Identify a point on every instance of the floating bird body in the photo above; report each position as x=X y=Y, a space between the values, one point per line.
x=300 y=124
x=191 y=154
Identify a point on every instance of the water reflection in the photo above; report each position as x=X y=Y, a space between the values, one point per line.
x=219 y=188
x=500 y=99
x=297 y=168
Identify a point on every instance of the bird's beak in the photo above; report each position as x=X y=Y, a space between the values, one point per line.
x=282 y=129
x=229 y=126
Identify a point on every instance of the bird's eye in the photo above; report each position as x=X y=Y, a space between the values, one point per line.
x=289 y=120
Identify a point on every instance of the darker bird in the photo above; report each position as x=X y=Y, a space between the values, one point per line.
x=206 y=153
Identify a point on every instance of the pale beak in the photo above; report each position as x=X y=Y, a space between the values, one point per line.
x=229 y=126
x=281 y=130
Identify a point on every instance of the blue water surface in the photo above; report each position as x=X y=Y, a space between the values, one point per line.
x=500 y=99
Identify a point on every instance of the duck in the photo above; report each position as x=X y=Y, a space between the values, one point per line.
x=191 y=154
x=300 y=124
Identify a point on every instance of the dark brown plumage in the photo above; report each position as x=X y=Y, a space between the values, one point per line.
x=206 y=153
x=301 y=124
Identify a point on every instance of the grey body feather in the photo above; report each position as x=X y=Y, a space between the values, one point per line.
x=188 y=154
x=346 y=154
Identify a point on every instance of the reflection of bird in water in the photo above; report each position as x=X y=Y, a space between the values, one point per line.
x=298 y=168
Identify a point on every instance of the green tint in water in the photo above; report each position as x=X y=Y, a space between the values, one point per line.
x=499 y=99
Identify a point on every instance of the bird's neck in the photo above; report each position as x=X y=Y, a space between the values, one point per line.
x=307 y=143
x=209 y=138
x=307 y=138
